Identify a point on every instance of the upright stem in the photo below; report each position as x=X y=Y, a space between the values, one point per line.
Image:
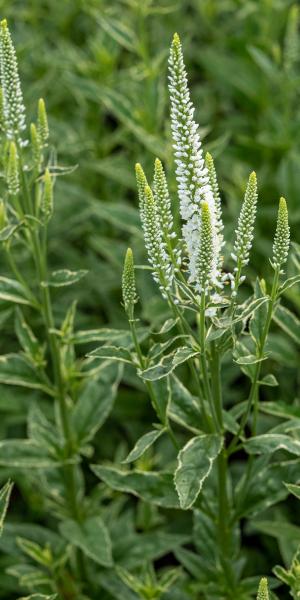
x=253 y=399
x=149 y=385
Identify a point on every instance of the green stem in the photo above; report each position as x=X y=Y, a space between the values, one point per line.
x=253 y=399
x=149 y=385
x=203 y=362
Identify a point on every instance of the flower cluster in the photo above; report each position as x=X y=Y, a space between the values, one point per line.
x=163 y=272
x=245 y=228
x=200 y=208
x=13 y=109
x=192 y=175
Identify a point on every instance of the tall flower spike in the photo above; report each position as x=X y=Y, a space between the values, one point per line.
x=191 y=172
x=282 y=236
x=13 y=106
x=205 y=260
x=244 y=231
x=141 y=184
x=158 y=258
x=12 y=173
x=163 y=203
x=263 y=592
x=128 y=284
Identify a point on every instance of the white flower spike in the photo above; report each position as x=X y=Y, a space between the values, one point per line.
x=191 y=172
x=13 y=106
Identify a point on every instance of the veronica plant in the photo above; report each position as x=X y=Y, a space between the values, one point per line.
x=212 y=325
x=70 y=397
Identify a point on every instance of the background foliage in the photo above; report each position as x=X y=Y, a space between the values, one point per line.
x=101 y=66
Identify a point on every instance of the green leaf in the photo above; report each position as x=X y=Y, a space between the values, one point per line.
x=8 y=231
x=112 y=353
x=15 y=369
x=249 y=359
x=183 y=408
x=156 y=488
x=119 y=31
x=26 y=337
x=271 y=442
x=145 y=442
x=13 y=291
x=119 y=337
x=25 y=454
x=64 y=277
x=293 y=489
x=95 y=403
x=269 y=380
x=92 y=537
x=168 y=363
x=5 y=493
x=280 y=409
x=288 y=322
x=289 y=283
x=245 y=312
x=38 y=554
x=195 y=462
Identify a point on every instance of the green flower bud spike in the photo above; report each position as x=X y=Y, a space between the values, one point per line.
x=12 y=173
x=142 y=182
x=42 y=123
x=128 y=284
x=282 y=236
x=36 y=145
x=205 y=259
x=47 y=198
x=263 y=593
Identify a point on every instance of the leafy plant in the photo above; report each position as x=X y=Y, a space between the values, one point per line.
x=172 y=517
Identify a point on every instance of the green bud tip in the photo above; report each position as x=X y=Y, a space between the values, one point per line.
x=282 y=235
x=128 y=283
x=176 y=40
x=263 y=593
x=13 y=170
x=3 y=24
x=47 y=199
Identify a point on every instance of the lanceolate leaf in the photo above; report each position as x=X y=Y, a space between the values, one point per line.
x=95 y=403
x=289 y=283
x=168 y=363
x=65 y=277
x=25 y=454
x=145 y=442
x=92 y=537
x=288 y=322
x=157 y=488
x=270 y=442
x=13 y=291
x=118 y=337
x=293 y=489
x=112 y=353
x=183 y=408
x=195 y=462
x=5 y=493
x=16 y=370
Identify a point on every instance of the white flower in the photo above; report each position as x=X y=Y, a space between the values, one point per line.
x=245 y=228
x=13 y=107
x=192 y=175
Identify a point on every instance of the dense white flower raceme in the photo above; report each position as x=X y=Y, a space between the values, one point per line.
x=192 y=175
x=13 y=109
